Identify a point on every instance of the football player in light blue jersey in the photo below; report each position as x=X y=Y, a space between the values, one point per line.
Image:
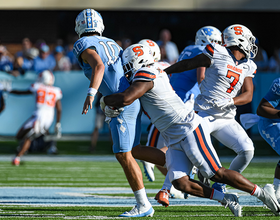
x=268 y=119
x=269 y=125
x=186 y=83
x=100 y=59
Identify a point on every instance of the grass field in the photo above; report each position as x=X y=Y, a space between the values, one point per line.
x=105 y=174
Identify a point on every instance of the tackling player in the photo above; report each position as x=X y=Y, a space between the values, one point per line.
x=185 y=132
x=228 y=82
x=47 y=99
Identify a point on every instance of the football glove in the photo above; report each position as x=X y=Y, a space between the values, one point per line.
x=57 y=129
x=102 y=104
x=190 y=103
x=223 y=103
x=112 y=112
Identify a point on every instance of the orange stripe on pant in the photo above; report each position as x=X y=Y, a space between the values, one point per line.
x=154 y=137
x=205 y=150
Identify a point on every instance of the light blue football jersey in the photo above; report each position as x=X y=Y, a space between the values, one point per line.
x=110 y=53
x=185 y=81
x=273 y=96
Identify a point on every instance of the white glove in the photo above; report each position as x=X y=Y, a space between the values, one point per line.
x=57 y=129
x=102 y=103
x=112 y=113
x=223 y=103
x=190 y=103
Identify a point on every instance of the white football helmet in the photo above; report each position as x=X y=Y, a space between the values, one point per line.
x=46 y=77
x=241 y=36
x=135 y=57
x=154 y=48
x=89 y=20
x=207 y=35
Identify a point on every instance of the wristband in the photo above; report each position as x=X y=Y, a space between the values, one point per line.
x=91 y=92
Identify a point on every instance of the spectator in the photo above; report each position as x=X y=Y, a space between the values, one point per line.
x=26 y=46
x=171 y=49
x=126 y=42
x=69 y=53
x=261 y=58
x=274 y=61
x=26 y=63
x=62 y=62
x=44 y=61
x=6 y=62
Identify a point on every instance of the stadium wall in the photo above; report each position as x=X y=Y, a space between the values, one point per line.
x=74 y=87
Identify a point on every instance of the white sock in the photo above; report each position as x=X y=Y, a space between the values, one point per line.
x=256 y=191
x=141 y=198
x=217 y=195
x=166 y=184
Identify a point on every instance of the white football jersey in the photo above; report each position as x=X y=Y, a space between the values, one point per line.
x=164 y=107
x=223 y=79
x=46 y=97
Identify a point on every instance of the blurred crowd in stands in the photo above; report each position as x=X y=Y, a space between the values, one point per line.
x=39 y=55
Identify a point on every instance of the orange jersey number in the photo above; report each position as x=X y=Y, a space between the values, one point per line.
x=48 y=98
x=235 y=80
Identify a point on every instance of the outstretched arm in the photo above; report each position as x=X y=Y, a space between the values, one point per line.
x=133 y=92
x=200 y=60
x=266 y=110
x=18 y=92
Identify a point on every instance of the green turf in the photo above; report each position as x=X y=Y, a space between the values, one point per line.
x=161 y=213
x=102 y=174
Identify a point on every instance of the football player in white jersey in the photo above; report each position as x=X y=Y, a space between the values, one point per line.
x=47 y=100
x=228 y=82
x=185 y=132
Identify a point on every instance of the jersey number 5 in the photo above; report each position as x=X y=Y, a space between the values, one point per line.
x=234 y=82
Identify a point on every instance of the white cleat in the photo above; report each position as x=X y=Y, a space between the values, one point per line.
x=149 y=170
x=269 y=199
x=176 y=194
x=232 y=202
x=139 y=212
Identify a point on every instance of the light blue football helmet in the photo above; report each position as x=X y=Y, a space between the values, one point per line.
x=89 y=20
x=207 y=35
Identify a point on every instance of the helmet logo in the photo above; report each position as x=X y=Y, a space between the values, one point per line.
x=138 y=51
x=238 y=30
x=208 y=31
x=151 y=43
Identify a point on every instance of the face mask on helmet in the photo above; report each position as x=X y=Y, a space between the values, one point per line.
x=135 y=57
x=241 y=36
x=154 y=48
x=89 y=20
x=207 y=35
x=46 y=77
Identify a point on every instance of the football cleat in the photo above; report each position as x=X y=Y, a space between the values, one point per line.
x=137 y=211
x=232 y=202
x=16 y=161
x=203 y=179
x=163 y=196
x=176 y=194
x=220 y=187
x=149 y=170
x=269 y=199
